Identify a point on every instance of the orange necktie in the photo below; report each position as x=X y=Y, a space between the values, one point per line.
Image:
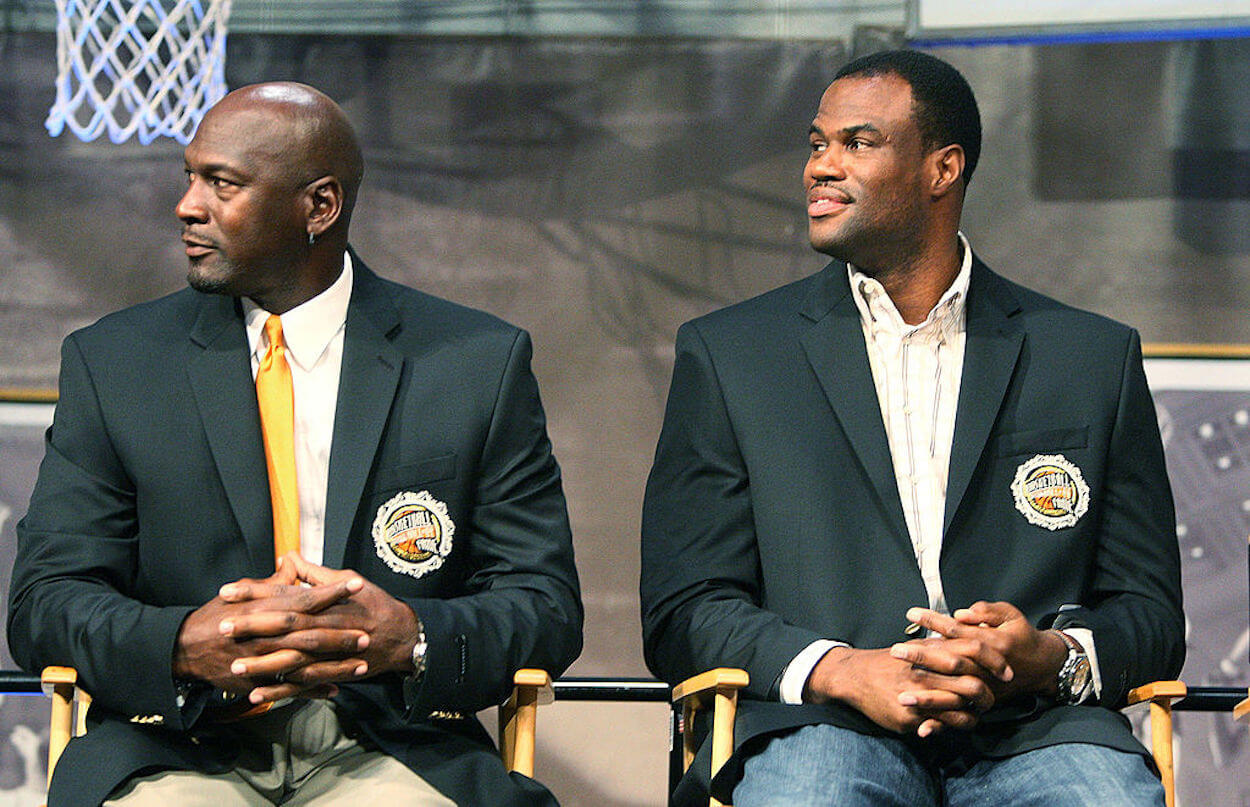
x=276 y=397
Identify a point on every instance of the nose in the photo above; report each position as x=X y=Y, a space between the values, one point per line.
x=825 y=164
x=190 y=208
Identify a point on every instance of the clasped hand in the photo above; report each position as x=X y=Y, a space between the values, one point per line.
x=979 y=655
x=298 y=632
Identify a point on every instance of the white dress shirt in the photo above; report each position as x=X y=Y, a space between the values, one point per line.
x=313 y=332
x=916 y=370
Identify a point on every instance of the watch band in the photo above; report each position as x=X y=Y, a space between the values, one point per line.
x=1075 y=678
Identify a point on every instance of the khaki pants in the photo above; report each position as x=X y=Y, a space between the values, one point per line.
x=296 y=756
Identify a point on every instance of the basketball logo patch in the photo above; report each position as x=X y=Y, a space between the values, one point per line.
x=1050 y=491
x=412 y=533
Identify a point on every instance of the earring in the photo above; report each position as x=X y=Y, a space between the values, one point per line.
x=311 y=238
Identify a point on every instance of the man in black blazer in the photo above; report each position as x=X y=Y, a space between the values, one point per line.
x=924 y=508
x=435 y=555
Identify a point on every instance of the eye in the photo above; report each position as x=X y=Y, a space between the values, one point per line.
x=220 y=183
x=856 y=143
x=817 y=146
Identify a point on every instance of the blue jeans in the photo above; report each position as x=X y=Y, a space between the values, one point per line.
x=828 y=766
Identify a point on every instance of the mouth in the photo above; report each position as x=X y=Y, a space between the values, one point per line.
x=195 y=248
x=826 y=202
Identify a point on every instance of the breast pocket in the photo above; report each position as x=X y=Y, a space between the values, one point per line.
x=414 y=475
x=1043 y=470
x=1041 y=441
x=412 y=529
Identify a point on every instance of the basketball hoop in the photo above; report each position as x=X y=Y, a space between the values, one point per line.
x=148 y=68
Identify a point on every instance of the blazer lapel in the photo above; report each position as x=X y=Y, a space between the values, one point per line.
x=220 y=377
x=835 y=349
x=991 y=352
x=367 y=385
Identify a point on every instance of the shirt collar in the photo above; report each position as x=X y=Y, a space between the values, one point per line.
x=309 y=327
x=877 y=310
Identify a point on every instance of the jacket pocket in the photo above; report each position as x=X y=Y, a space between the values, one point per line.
x=1041 y=441
x=414 y=475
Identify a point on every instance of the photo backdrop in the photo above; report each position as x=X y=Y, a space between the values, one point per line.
x=599 y=192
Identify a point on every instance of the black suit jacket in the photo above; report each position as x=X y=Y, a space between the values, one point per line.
x=772 y=516
x=153 y=493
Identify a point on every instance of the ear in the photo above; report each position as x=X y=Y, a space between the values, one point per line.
x=946 y=169
x=323 y=202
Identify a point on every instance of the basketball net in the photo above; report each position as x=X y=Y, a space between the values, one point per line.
x=137 y=67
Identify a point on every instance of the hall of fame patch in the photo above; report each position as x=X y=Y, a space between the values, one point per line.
x=412 y=533
x=1050 y=491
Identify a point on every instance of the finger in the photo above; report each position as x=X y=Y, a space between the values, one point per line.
x=323 y=642
x=251 y=589
x=317 y=598
x=992 y=614
x=283 y=604
x=944 y=700
x=332 y=671
x=962 y=692
x=938 y=623
x=298 y=566
x=271 y=693
x=270 y=665
x=962 y=720
x=243 y=627
x=970 y=656
x=953 y=718
x=985 y=655
x=320 y=575
x=297 y=649
x=287 y=572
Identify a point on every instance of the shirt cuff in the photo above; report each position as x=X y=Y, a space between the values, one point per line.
x=800 y=669
x=1085 y=637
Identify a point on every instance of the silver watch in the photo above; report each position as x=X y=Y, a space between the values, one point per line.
x=1075 y=677
x=418 y=653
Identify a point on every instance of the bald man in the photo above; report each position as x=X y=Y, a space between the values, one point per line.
x=434 y=556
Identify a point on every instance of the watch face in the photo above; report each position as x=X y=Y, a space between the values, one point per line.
x=1080 y=676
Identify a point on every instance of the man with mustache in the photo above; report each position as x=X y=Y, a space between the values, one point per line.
x=923 y=507
x=386 y=449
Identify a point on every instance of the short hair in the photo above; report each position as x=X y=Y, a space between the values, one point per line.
x=944 y=108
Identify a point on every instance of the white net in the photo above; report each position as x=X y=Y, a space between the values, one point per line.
x=137 y=67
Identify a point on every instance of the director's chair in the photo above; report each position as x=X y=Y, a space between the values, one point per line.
x=718 y=690
x=518 y=716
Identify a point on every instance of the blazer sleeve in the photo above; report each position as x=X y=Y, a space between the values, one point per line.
x=524 y=607
x=700 y=584
x=77 y=552
x=1134 y=605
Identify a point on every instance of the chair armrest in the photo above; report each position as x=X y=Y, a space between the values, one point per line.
x=59 y=684
x=717 y=688
x=1160 y=695
x=1242 y=710
x=518 y=718
x=1158 y=692
x=704 y=686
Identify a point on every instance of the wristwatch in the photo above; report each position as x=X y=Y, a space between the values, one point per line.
x=418 y=654
x=1075 y=679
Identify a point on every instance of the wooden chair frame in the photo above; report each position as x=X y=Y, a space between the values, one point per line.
x=518 y=717
x=718 y=689
x=1164 y=698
